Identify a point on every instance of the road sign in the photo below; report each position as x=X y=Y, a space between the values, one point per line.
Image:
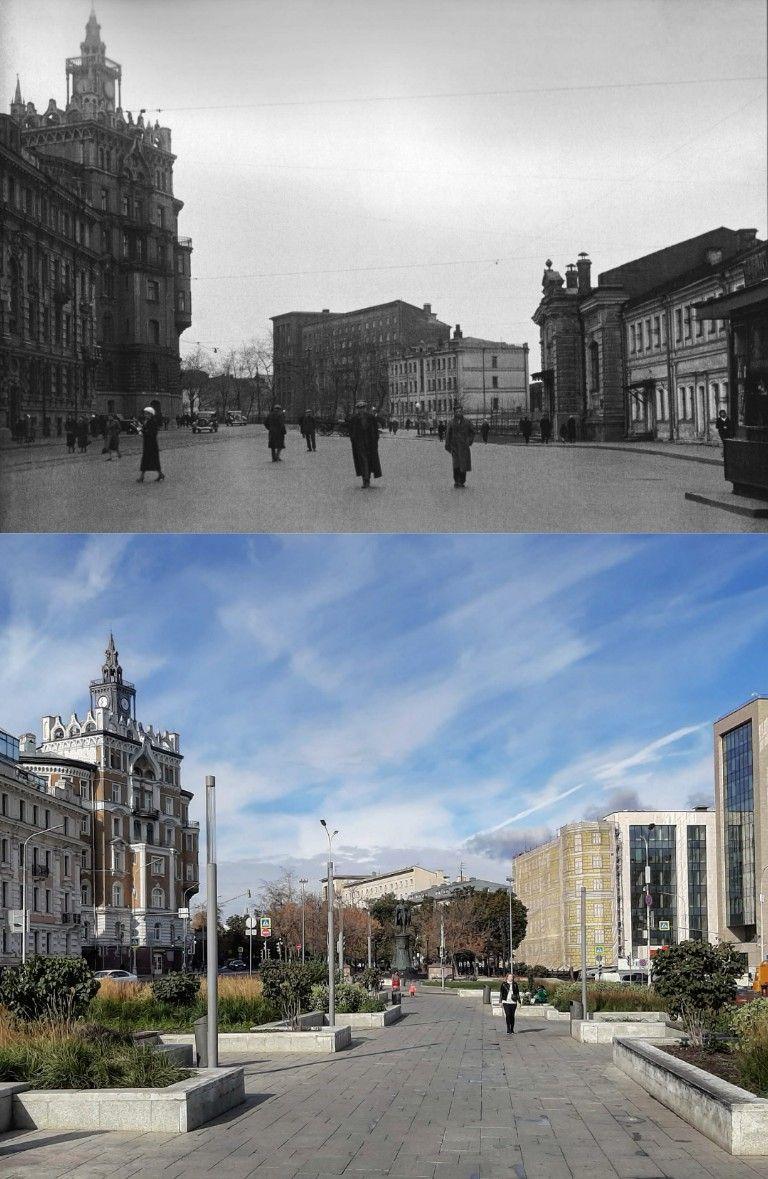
x=251 y=924
x=265 y=925
x=16 y=920
x=664 y=925
x=600 y=950
x=183 y=913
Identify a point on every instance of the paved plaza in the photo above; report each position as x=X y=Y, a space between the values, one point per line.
x=445 y=1094
x=226 y=482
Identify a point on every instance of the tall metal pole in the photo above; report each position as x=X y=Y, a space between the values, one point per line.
x=370 y=941
x=583 y=898
x=302 y=882
x=762 y=915
x=331 y=947
x=211 y=929
x=647 y=897
x=442 y=948
x=511 y=953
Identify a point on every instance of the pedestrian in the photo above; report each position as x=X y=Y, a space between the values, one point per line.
x=364 y=436
x=571 y=428
x=724 y=426
x=275 y=424
x=526 y=428
x=485 y=430
x=309 y=430
x=441 y=429
x=458 y=440
x=509 y=995
x=150 y=451
x=112 y=439
x=70 y=433
x=83 y=437
x=563 y=431
x=545 y=425
x=395 y=987
x=395 y=426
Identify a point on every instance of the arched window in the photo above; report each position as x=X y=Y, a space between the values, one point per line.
x=117 y=896
x=158 y=898
x=85 y=894
x=119 y=932
x=156 y=931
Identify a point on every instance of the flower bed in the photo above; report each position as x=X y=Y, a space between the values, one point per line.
x=133 y=1007
x=608 y=997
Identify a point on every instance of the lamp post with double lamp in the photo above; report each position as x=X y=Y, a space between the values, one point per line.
x=24 y=922
x=331 y=950
x=510 y=881
x=648 y=903
x=303 y=881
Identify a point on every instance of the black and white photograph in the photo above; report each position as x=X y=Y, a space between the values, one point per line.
x=384 y=589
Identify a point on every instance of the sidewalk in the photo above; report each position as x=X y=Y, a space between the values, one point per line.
x=694 y=452
x=444 y=1094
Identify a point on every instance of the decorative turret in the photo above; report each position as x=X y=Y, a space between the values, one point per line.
x=112 y=694
x=93 y=74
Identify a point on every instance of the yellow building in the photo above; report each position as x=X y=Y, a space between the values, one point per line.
x=548 y=880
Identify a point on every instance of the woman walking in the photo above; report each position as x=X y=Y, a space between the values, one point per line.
x=150 y=451
x=83 y=438
x=458 y=439
x=509 y=994
x=113 y=438
x=70 y=431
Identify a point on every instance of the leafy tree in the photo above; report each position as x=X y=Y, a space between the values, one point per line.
x=48 y=988
x=698 y=979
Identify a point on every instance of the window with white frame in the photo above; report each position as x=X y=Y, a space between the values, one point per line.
x=116 y=825
x=116 y=794
x=158 y=898
x=157 y=867
x=597 y=837
x=118 y=860
x=597 y=861
x=117 y=895
x=156 y=931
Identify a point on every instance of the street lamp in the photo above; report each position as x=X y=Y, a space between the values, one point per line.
x=648 y=901
x=184 y=906
x=762 y=921
x=302 y=881
x=35 y=834
x=370 y=941
x=331 y=954
x=510 y=881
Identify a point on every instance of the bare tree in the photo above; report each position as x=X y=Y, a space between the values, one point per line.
x=255 y=361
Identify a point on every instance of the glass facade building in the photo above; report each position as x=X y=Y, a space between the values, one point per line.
x=739 y=823
x=662 y=861
x=697 y=884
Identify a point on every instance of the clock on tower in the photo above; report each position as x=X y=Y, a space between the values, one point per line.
x=112 y=692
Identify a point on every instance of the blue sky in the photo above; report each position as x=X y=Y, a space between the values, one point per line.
x=441 y=700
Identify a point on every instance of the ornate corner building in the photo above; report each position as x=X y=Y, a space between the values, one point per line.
x=95 y=285
x=139 y=848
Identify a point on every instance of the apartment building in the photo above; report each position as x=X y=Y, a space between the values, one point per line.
x=404 y=883
x=40 y=860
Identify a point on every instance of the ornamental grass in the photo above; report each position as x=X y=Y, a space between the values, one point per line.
x=133 y=1007
x=607 y=996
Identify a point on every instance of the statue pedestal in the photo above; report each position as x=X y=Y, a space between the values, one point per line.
x=401 y=959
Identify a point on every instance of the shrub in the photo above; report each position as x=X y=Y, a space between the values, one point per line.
x=288 y=984
x=48 y=988
x=697 y=979
x=318 y=997
x=370 y=978
x=350 y=997
x=176 y=989
x=752 y=1062
x=133 y=1007
x=750 y=1021
x=372 y=1003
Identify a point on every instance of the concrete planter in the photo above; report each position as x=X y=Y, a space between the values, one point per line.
x=372 y=1019
x=733 y=1118
x=630 y=1016
x=173 y=1110
x=588 y=1031
x=524 y=1010
x=553 y=1013
x=313 y=1035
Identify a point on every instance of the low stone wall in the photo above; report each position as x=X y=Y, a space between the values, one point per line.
x=630 y=1016
x=733 y=1118
x=172 y=1110
x=271 y=1038
x=372 y=1019
x=588 y=1031
x=553 y=1013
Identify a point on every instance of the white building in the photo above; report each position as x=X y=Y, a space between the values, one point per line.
x=403 y=883
x=484 y=376
x=680 y=848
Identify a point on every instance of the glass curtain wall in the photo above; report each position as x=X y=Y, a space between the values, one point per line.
x=697 y=884
x=739 y=812
x=663 y=886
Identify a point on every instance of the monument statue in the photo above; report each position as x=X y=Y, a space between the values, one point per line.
x=401 y=959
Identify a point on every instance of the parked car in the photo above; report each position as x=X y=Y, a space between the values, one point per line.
x=205 y=422
x=120 y=976
x=235 y=417
x=234 y=966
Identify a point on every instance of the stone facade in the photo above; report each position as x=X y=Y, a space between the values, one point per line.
x=486 y=377
x=31 y=806
x=403 y=883
x=139 y=846
x=49 y=272
x=124 y=170
x=588 y=370
x=329 y=360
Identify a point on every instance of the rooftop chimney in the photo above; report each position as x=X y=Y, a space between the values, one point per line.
x=571 y=276
x=457 y=333
x=746 y=237
x=325 y=311
x=427 y=308
x=583 y=269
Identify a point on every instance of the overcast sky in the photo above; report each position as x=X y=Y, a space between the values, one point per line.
x=338 y=153
x=441 y=700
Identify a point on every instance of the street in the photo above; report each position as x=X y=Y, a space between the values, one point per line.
x=444 y=1094
x=226 y=482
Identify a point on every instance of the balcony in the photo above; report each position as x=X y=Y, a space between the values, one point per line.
x=191 y=825
x=39 y=871
x=144 y=812
x=184 y=243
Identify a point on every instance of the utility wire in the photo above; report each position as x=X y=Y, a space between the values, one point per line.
x=537 y=90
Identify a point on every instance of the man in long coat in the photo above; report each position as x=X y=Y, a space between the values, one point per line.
x=309 y=430
x=458 y=440
x=364 y=436
x=275 y=423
